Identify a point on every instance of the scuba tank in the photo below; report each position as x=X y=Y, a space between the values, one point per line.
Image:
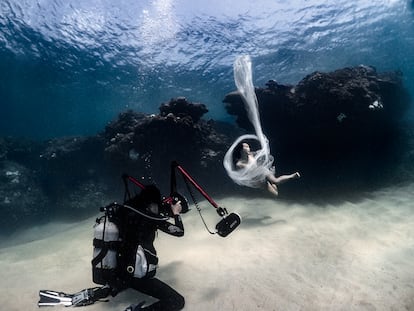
x=106 y=244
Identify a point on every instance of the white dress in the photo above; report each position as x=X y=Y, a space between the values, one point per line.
x=254 y=173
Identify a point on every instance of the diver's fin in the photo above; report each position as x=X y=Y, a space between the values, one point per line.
x=83 y=298
x=54 y=298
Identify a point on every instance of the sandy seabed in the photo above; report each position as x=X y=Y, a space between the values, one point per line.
x=353 y=255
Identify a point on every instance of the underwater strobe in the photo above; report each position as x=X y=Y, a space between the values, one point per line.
x=229 y=222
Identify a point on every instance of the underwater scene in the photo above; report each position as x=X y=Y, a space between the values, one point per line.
x=207 y=155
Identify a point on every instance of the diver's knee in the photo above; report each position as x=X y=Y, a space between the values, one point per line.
x=181 y=302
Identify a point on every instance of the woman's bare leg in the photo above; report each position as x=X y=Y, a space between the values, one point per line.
x=272 y=188
x=281 y=179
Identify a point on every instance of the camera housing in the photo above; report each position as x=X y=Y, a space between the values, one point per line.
x=165 y=208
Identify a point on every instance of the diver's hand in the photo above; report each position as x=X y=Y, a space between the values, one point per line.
x=176 y=208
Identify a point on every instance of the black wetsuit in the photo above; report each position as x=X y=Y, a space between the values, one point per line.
x=141 y=230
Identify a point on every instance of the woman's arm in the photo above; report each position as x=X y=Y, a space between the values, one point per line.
x=241 y=164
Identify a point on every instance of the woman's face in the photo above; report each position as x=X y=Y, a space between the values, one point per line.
x=246 y=148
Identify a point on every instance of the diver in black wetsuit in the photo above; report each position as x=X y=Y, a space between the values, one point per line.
x=139 y=228
x=124 y=255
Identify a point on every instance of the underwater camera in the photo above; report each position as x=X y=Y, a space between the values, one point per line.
x=172 y=199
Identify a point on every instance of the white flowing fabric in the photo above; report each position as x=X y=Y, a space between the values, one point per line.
x=254 y=174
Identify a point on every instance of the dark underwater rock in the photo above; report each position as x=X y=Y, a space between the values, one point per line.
x=182 y=108
x=328 y=107
x=22 y=197
x=332 y=125
x=21 y=150
x=86 y=198
x=55 y=179
x=139 y=143
x=67 y=161
x=3 y=149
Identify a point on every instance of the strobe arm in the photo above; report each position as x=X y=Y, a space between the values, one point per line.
x=229 y=221
x=174 y=165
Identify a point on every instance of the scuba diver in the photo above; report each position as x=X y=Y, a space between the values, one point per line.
x=138 y=220
x=124 y=255
x=139 y=231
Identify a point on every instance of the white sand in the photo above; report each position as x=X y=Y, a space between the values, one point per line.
x=285 y=256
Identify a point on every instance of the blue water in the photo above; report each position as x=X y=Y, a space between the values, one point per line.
x=69 y=67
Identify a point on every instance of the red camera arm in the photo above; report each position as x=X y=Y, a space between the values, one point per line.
x=174 y=165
